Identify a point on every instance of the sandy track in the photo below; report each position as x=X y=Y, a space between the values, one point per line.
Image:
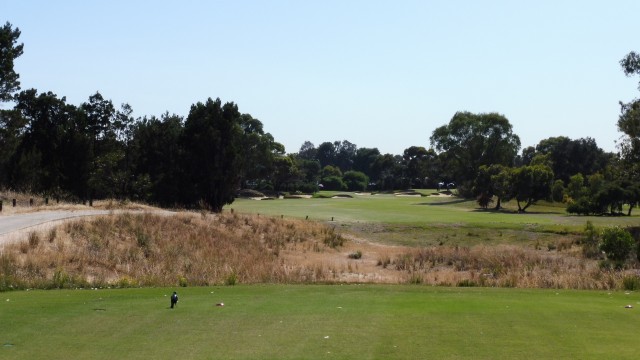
x=12 y=227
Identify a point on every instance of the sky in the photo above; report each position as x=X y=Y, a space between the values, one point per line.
x=381 y=74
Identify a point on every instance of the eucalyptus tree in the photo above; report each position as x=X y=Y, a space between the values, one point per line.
x=9 y=51
x=471 y=140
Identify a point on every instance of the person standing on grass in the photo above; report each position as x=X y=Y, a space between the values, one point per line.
x=174 y=299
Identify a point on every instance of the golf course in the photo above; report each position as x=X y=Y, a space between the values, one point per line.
x=332 y=319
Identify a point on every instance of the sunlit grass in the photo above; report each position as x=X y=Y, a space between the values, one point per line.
x=319 y=322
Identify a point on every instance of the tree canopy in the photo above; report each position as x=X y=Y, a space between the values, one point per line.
x=9 y=51
x=472 y=140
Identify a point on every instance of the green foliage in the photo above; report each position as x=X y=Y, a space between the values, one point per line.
x=557 y=191
x=334 y=183
x=232 y=279
x=9 y=51
x=484 y=200
x=530 y=184
x=471 y=140
x=631 y=282
x=591 y=241
x=617 y=244
x=356 y=255
x=355 y=180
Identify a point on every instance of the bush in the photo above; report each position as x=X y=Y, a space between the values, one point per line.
x=356 y=255
x=631 y=282
x=616 y=243
x=484 y=200
x=590 y=242
x=355 y=180
x=334 y=183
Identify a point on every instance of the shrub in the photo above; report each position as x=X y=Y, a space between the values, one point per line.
x=616 y=243
x=332 y=239
x=333 y=183
x=631 y=282
x=484 y=200
x=34 y=239
x=355 y=180
x=356 y=255
x=231 y=279
x=590 y=242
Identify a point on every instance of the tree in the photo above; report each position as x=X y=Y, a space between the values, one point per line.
x=364 y=159
x=557 y=191
x=157 y=160
x=345 y=153
x=617 y=244
x=308 y=151
x=9 y=51
x=629 y=124
x=355 y=180
x=38 y=163
x=326 y=154
x=471 y=140
x=568 y=157
x=530 y=184
x=212 y=141
x=259 y=149
x=492 y=181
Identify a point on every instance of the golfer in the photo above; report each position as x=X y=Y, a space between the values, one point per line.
x=174 y=299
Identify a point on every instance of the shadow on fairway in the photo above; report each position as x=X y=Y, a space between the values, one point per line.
x=451 y=202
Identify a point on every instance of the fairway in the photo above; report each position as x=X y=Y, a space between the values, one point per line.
x=319 y=322
x=432 y=220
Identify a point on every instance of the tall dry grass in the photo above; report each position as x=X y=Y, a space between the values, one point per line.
x=144 y=249
x=188 y=249
x=505 y=266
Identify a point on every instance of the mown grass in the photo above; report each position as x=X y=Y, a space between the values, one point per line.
x=423 y=221
x=319 y=322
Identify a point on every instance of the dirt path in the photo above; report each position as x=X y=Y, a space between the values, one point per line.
x=13 y=227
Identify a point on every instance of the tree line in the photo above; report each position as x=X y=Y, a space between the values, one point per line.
x=95 y=150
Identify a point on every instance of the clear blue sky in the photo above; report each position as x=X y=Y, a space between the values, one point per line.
x=379 y=74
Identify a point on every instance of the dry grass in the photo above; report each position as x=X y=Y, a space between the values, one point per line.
x=145 y=249
x=505 y=266
x=26 y=202
x=153 y=250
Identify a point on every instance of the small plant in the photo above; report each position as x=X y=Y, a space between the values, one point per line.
x=231 y=279
x=415 y=279
x=34 y=240
x=466 y=283
x=631 y=282
x=591 y=240
x=51 y=236
x=182 y=281
x=356 y=255
x=333 y=239
x=384 y=262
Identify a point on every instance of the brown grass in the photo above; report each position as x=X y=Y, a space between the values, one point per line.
x=26 y=202
x=189 y=249
x=155 y=250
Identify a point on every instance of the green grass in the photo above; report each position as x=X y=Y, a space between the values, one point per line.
x=432 y=220
x=319 y=322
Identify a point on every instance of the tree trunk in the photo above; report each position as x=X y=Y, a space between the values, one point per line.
x=498 y=205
